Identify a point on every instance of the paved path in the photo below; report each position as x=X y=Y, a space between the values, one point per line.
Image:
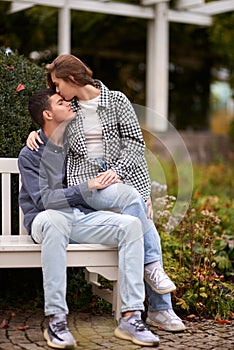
x=23 y=331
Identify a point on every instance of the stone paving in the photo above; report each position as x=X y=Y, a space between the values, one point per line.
x=23 y=331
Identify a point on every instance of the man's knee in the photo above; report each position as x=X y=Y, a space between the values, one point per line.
x=49 y=222
x=131 y=226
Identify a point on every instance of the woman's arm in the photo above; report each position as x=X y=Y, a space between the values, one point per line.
x=33 y=140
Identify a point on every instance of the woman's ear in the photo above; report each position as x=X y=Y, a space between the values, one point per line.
x=71 y=78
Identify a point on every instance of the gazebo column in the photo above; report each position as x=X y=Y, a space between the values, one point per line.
x=157 y=69
x=64 y=29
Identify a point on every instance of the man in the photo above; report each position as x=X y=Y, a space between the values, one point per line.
x=54 y=215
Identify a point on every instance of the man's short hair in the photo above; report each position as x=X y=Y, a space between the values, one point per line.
x=39 y=102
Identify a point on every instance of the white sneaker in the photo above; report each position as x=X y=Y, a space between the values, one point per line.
x=133 y=328
x=166 y=320
x=157 y=279
x=58 y=335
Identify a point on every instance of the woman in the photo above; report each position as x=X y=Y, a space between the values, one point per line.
x=105 y=139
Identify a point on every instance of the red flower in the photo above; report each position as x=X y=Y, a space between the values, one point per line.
x=20 y=87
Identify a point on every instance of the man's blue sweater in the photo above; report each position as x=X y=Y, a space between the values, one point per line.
x=44 y=182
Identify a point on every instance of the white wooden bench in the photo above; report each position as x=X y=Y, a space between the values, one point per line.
x=17 y=250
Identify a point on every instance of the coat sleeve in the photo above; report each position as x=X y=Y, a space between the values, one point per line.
x=132 y=146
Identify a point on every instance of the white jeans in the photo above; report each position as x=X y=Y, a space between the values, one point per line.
x=55 y=229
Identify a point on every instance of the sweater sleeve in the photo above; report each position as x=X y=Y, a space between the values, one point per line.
x=35 y=180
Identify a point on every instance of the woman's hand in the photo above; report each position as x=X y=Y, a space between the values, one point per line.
x=108 y=177
x=94 y=184
x=33 y=140
x=103 y=180
x=150 y=212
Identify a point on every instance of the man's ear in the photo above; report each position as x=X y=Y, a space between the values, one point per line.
x=47 y=115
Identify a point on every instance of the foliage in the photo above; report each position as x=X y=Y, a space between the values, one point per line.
x=19 y=78
x=199 y=254
x=231 y=130
x=119 y=59
x=218 y=179
x=221 y=37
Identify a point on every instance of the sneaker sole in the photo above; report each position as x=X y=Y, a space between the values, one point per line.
x=127 y=336
x=164 y=327
x=55 y=346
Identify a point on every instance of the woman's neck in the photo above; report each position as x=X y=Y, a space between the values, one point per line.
x=87 y=92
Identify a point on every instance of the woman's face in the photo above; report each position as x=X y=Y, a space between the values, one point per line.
x=67 y=90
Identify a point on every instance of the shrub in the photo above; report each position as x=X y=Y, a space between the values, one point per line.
x=19 y=78
x=198 y=255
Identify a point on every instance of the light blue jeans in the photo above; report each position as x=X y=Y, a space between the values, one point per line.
x=55 y=229
x=127 y=200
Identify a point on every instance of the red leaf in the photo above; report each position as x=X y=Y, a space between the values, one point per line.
x=9 y=67
x=223 y=321
x=4 y=323
x=23 y=328
x=20 y=87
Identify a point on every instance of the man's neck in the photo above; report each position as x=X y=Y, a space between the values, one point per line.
x=55 y=135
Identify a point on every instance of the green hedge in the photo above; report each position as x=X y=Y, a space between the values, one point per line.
x=15 y=120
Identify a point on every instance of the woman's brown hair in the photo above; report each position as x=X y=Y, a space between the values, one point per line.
x=65 y=66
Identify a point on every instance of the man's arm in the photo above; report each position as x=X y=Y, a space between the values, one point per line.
x=51 y=194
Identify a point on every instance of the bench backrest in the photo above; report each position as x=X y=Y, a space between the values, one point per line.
x=8 y=169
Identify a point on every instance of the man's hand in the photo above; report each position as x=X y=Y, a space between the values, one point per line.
x=108 y=177
x=33 y=140
x=150 y=213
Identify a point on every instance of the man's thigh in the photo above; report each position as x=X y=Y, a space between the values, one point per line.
x=104 y=227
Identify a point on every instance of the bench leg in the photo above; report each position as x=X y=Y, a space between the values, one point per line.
x=110 y=273
x=116 y=305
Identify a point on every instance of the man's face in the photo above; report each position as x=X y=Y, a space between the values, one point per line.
x=61 y=109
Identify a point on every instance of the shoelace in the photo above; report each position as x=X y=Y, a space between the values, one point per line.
x=140 y=326
x=155 y=274
x=59 y=327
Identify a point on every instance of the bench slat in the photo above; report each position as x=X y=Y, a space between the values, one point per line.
x=6 y=204
x=9 y=165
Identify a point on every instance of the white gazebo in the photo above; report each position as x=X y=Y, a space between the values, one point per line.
x=158 y=14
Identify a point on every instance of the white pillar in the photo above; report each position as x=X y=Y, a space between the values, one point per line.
x=157 y=69
x=64 y=29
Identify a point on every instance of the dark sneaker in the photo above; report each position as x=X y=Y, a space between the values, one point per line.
x=133 y=328
x=58 y=335
x=166 y=320
x=157 y=279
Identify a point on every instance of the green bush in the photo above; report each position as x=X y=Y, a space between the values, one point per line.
x=19 y=78
x=198 y=255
